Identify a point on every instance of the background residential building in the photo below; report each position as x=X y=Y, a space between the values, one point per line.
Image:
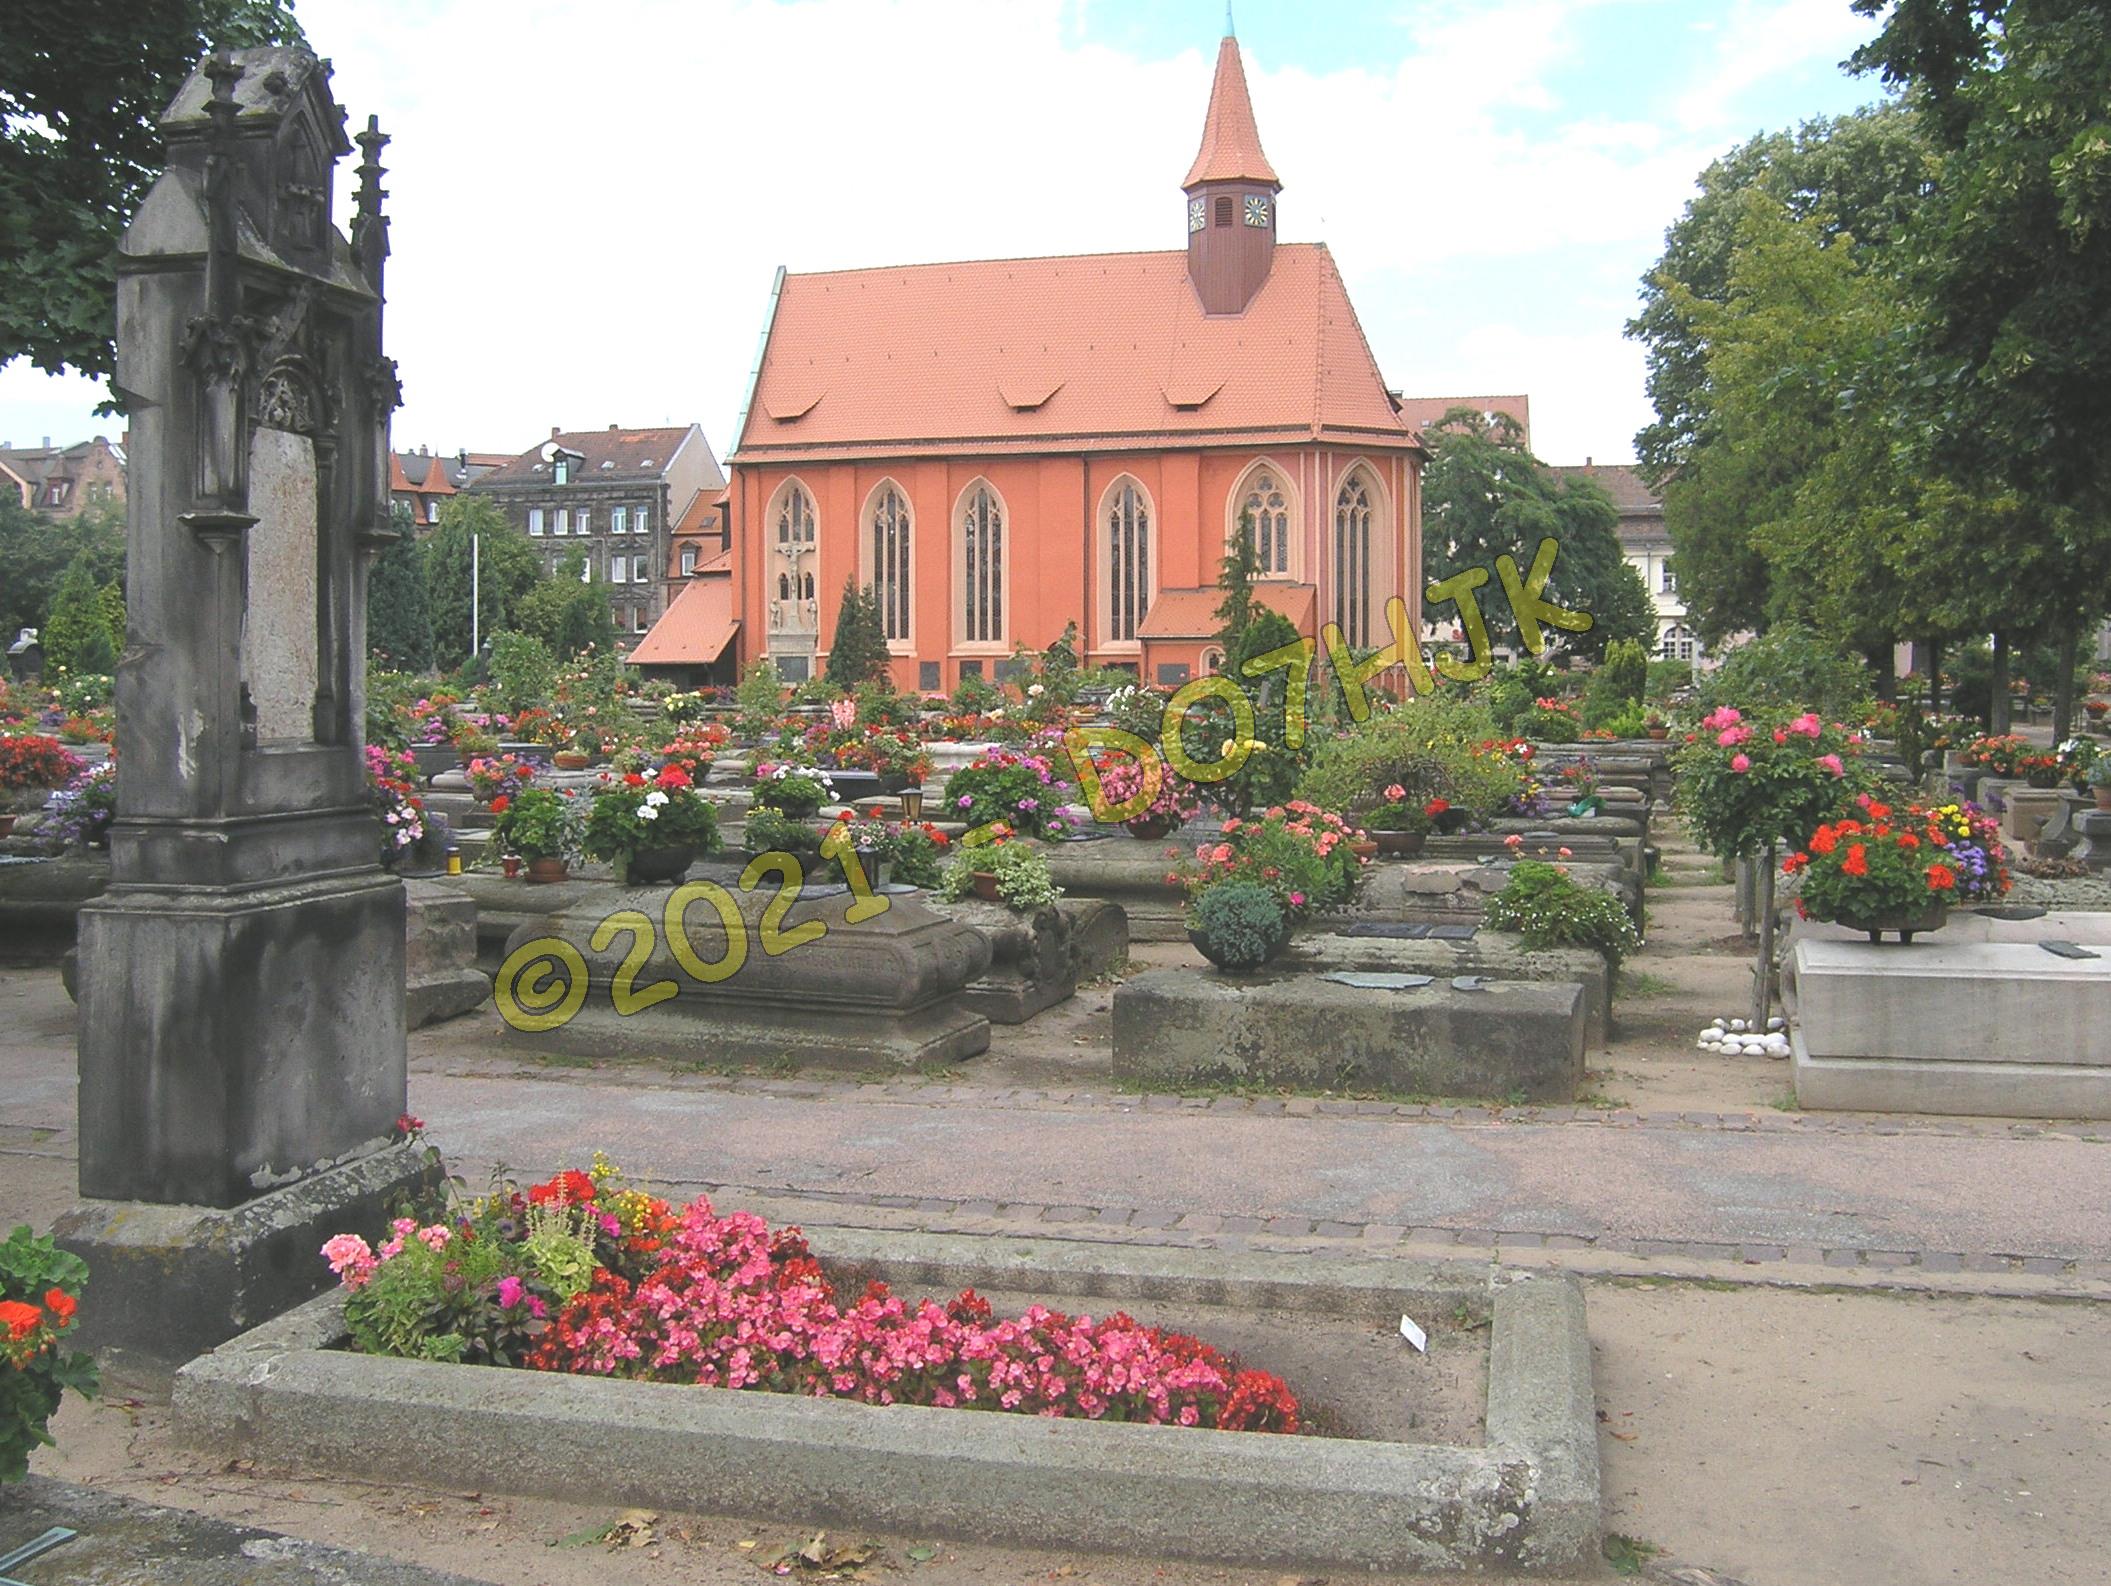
x=64 y=481
x=1647 y=546
x=611 y=495
x=419 y=481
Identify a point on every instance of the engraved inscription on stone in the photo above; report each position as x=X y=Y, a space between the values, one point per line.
x=279 y=641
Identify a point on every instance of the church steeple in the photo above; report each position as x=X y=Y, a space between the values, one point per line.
x=1231 y=195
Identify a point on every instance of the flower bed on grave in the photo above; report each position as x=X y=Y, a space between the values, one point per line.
x=582 y=1274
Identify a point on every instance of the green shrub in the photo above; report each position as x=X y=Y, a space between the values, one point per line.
x=523 y=672
x=1549 y=908
x=759 y=697
x=1240 y=922
x=1790 y=668
x=771 y=831
x=1023 y=881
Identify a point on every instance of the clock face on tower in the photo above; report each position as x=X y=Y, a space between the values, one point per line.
x=1197 y=214
x=1256 y=209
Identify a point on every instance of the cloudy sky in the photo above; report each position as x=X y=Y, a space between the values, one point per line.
x=589 y=200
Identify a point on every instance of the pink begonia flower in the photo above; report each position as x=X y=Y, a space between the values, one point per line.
x=1807 y=724
x=1780 y=735
x=1720 y=717
x=1832 y=763
x=1514 y=840
x=1729 y=737
x=1740 y=762
x=1297 y=900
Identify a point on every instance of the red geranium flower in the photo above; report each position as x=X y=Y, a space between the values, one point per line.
x=1857 y=861
x=19 y=1319
x=499 y=804
x=61 y=1305
x=1941 y=878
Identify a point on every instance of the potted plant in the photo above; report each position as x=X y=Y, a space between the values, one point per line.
x=795 y=790
x=543 y=827
x=1878 y=870
x=1300 y=853
x=40 y=1291
x=771 y=831
x=868 y=841
x=1014 y=786
x=1122 y=783
x=391 y=792
x=651 y=830
x=81 y=811
x=1237 y=925
x=1003 y=871
x=32 y=763
x=497 y=776
x=1402 y=824
x=472 y=741
x=1656 y=726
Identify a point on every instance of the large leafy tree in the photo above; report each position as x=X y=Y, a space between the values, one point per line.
x=35 y=552
x=82 y=85
x=1485 y=495
x=398 y=619
x=508 y=569
x=2009 y=268
x=568 y=613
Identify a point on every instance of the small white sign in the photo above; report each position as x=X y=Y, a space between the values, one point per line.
x=1414 y=1335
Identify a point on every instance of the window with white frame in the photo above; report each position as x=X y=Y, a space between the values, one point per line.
x=641 y=521
x=564 y=520
x=890 y=560
x=1128 y=530
x=688 y=560
x=618 y=570
x=535 y=522
x=618 y=520
x=586 y=568
x=982 y=561
x=584 y=522
x=561 y=471
x=640 y=570
x=1352 y=559
x=1665 y=583
x=637 y=619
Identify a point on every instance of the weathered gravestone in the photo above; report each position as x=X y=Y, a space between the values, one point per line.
x=242 y=979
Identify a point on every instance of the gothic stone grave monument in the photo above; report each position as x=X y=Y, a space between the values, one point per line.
x=242 y=978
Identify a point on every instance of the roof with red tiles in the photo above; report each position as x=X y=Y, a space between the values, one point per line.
x=695 y=628
x=610 y=454
x=1641 y=508
x=1231 y=141
x=1077 y=352
x=1192 y=613
x=1422 y=412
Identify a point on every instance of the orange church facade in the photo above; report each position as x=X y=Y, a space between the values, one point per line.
x=1002 y=448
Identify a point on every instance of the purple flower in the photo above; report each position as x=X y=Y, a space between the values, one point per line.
x=964 y=800
x=1029 y=804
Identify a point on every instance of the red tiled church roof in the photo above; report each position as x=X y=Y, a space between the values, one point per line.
x=1192 y=613
x=1231 y=141
x=1074 y=352
x=695 y=628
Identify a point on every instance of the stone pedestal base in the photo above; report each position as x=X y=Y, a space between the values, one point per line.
x=1491 y=954
x=2094 y=850
x=166 y=1283
x=1037 y=960
x=233 y=1039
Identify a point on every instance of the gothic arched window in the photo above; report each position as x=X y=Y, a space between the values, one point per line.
x=1128 y=530
x=1266 y=509
x=982 y=567
x=1352 y=559
x=889 y=579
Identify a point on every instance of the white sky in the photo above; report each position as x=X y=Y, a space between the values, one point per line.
x=588 y=202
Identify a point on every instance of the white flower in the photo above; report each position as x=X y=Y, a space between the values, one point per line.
x=1035 y=692
x=647 y=813
x=656 y=797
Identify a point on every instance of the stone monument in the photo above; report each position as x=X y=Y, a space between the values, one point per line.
x=242 y=979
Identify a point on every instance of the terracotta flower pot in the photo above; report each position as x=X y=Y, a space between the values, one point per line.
x=986 y=887
x=7 y=825
x=569 y=760
x=545 y=869
x=511 y=864
x=1364 y=848
x=1150 y=827
x=1659 y=734
x=2103 y=797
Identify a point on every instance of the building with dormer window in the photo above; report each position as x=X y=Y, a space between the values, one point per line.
x=1001 y=448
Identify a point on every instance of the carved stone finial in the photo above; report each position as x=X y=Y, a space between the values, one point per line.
x=371 y=143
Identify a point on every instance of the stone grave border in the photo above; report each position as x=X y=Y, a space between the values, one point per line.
x=287 y=1394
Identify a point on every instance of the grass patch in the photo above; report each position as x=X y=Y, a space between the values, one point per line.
x=1602 y=1102
x=1344 y=1092
x=1786 y=1102
x=725 y=1068
x=562 y=1060
x=1640 y=983
x=1628 y=1554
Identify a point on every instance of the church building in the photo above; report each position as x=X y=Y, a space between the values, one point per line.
x=1001 y=448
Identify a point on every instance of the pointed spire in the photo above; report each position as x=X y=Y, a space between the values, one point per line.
x=1231 y=143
